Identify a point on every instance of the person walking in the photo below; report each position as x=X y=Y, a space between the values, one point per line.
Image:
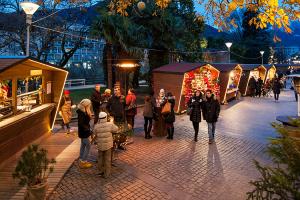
x=170 y=117
x=148 y=116
x=65 y=108
x=211 y=111
x=84 y=116
x=252 y=84
x=96 y=102
x=103 y=137
x=131 y=107
x=276 y=88
x=259 y=85
x=195 y=105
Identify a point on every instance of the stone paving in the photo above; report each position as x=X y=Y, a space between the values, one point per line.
x=182 y=169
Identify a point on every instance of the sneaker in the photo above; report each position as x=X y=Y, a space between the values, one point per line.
x=210 y=141
x=100 y=174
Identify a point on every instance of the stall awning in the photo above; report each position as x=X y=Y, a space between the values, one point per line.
x=268 y=66
x=10 y=61
x=178 y=68
x=250 y=66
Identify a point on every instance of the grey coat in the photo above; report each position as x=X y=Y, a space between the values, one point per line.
x=103 y=131
x=148 y=109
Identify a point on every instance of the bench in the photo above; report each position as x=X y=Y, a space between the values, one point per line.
x=71 y=82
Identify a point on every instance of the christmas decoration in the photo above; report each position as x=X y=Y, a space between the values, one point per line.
x=234 y=78
x=202 y=79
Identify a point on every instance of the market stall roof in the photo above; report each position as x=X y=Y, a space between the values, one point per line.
x=268 y=66
x=250 y=66
x=224 y=67
x=7 y=62
x=178 y=68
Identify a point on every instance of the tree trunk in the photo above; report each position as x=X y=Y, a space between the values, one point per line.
x=109 y=66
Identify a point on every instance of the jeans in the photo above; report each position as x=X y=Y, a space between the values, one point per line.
x=211 y=130
x=84 y=149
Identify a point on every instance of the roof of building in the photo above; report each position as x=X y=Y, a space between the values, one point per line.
x=9 y=61
x=179 y=68
x=224 y=67
x=250 y=66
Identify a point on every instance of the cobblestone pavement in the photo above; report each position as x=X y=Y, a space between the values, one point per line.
x=182 y=169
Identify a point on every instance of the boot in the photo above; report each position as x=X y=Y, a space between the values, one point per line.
x=149 y=131
x=146 y=132
x=169 y=133
x=196 y=137
x=172 y=133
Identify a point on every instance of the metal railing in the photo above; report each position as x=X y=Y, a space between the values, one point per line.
x=72 y=82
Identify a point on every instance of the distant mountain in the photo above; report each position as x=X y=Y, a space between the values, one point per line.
x=210 y=31
x=289 y=40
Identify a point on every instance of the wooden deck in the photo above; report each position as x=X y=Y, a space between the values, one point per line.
x=64 y=149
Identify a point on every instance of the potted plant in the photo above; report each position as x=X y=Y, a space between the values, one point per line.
x=33 y=170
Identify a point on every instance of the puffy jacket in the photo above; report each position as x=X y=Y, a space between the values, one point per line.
x=131 y=101
x=148 y=109
x=211 y=110
x=196 y=104
x=103 y=131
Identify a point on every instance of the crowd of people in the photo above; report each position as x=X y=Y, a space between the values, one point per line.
x=257 y=87
x=99 y=119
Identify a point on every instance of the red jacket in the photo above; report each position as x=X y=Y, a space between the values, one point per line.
x=131 y=104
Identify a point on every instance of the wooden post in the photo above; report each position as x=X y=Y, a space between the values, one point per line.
x=14 y=94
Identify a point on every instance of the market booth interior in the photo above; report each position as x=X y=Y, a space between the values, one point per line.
x=271 y=72
x=29 y=96
x=250 y=70
x=183 y=79
x=230 y=76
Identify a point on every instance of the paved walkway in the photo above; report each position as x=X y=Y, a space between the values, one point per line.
x=162 y=169
x=182 y=169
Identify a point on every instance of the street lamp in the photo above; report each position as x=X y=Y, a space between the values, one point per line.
x=228 y=44
x=29 y=8
x=262 y=57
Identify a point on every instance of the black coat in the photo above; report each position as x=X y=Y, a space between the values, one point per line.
x=211 y=110
x=96 y=99
x=252 y=83
x=196 y=104
x=83 y=124
x=116 y=106
x=276 y=86
x=170 y=118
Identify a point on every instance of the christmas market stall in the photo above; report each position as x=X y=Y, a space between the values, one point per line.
x=29 y=97
x=183 y=79
x=271 y=72
x=230 y=75
x=250 y=70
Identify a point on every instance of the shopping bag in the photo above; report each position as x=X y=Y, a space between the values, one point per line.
x=166 y=109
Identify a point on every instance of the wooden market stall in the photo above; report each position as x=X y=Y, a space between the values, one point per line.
x=183 y=79
x=29 y=97
x=230 y=75
x=271 y=72
x=249 y=70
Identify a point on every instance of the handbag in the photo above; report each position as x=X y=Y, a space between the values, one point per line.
x=166 y=109
x=189 y=110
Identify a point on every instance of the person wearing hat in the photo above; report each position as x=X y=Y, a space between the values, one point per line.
x=84 y=131
x=103 y=136
x=96 y=102
x=65 y=108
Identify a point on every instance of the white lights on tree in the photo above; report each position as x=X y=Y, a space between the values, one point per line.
x=141 y=5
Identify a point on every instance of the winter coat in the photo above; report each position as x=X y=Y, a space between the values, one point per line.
x=211 y=110
x=252 y=83
x=169 y=118
x=83 y=124
x=96 y=100
x=196 y=104
x=131 y=101
x=103 y=131
x=259 y=84
x=115 y=106
x=276 y=86
x=148 y=109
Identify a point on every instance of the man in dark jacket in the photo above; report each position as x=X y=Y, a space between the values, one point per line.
x=252 y=86
x=96 y=102
x=276 y=88
x=116 y=106
x=211 y=113
x=259 y=85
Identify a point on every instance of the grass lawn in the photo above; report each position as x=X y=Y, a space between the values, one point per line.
x=78 y=95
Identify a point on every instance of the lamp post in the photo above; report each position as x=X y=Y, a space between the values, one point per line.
x=228 y=44
x=262 y=57
x=29 y=8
